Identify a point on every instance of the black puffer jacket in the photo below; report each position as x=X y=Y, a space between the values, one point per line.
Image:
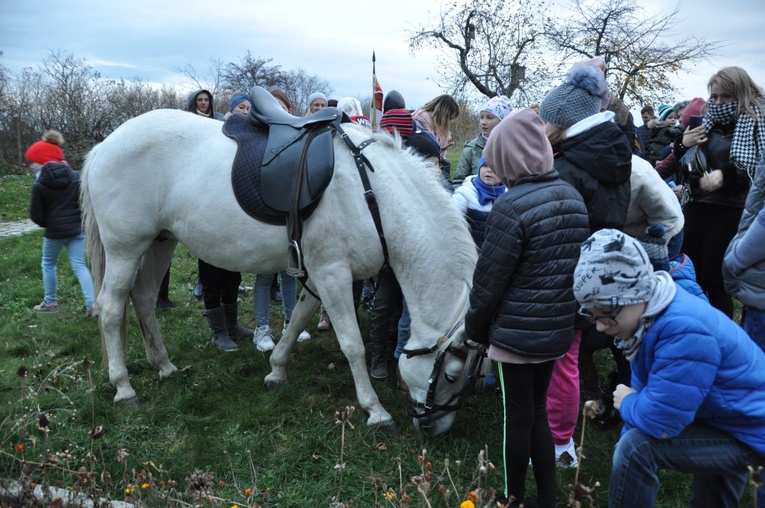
x=598 y=163
x=55 y=201
x=522 y=298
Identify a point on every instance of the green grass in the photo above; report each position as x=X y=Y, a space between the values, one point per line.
x=15 y=192
x=214 y=414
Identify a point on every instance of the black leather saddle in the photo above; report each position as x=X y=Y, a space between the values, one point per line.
x=299 y=158
x=283 y=164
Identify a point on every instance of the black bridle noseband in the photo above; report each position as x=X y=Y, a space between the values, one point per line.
x=422 y=410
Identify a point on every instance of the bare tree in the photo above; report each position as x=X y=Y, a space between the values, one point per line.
x=641 y=52
x=493 y=47
x=250 y=72
x=211 y=80
x=299 y=85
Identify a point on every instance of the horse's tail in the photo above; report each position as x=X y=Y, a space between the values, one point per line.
x=94 y=248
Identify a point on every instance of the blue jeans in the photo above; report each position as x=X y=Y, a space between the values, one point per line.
x=404 y=329
x=75 y=249
x=263 y=296
x=754 y=325
x=717 y=461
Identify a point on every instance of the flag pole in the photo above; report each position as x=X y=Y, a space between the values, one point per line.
x=373 y=113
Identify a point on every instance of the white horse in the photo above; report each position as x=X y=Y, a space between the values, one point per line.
x=164 y=177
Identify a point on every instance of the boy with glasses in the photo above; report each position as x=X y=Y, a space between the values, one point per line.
x=696 y=403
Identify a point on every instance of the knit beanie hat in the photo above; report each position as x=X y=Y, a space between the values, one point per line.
x=499 y=106
x=397 y=120
x=655 y=245
x=694 y=108
x=664 y=111
x=577 y=98
x=237 y=99
x=599 y=64
x=518 y=146
x=613 y=271
x=424 y=143
x=43 y=152
x=314 y=96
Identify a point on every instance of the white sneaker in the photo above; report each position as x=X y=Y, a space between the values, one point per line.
x=565 y=456
x=304 y=335
x=262 y=338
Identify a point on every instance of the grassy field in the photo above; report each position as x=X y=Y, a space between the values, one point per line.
x=211 y=428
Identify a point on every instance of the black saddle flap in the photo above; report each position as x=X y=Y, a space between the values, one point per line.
x=301 y=172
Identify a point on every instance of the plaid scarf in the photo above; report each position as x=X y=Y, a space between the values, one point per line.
x=748 y=143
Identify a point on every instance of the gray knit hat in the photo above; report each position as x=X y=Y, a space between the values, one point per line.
x=613 y=270
x=576 y=99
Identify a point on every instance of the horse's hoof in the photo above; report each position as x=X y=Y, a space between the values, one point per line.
x=389 y=428
x=131 y=403
x=272 y=380
x=167 y=371
x=270 y=385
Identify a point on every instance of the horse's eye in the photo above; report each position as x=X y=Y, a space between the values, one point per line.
x=449 y=378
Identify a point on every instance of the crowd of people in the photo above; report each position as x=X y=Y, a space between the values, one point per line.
x=593 y=234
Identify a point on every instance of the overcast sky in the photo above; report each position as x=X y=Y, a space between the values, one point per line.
x=333 y=39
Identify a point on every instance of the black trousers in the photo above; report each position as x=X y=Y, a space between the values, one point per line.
x=527 y=431
x=219 y=286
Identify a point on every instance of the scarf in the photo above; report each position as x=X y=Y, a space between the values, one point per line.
x=747 y=146
x=662 y=296
x=487 y=193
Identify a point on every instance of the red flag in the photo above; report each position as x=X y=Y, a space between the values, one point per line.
x=377 y=103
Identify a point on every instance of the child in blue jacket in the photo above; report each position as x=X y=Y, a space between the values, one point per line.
x=696 y=403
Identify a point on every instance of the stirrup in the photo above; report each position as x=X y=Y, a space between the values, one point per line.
x=295 y=268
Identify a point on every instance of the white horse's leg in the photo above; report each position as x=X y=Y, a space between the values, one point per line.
x=337 y=297
x=343 y=316
x=118 y=279
x=152 y=269
x=305 y=308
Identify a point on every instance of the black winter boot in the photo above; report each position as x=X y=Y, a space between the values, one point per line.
x=231 y=311
x=163 y=298
x=216 y=320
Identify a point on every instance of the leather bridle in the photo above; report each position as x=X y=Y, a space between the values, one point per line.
x=442 y=348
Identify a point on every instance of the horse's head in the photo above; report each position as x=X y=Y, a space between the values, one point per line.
x=438 y=378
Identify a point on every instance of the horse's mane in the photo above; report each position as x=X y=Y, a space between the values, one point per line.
x=435 y=212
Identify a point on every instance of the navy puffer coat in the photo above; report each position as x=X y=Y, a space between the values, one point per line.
x=55 y=201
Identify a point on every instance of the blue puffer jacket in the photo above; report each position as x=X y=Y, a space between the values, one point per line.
x=696 y=365
x=684 y=274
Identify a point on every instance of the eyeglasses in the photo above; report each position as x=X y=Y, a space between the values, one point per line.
x=608 y=320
